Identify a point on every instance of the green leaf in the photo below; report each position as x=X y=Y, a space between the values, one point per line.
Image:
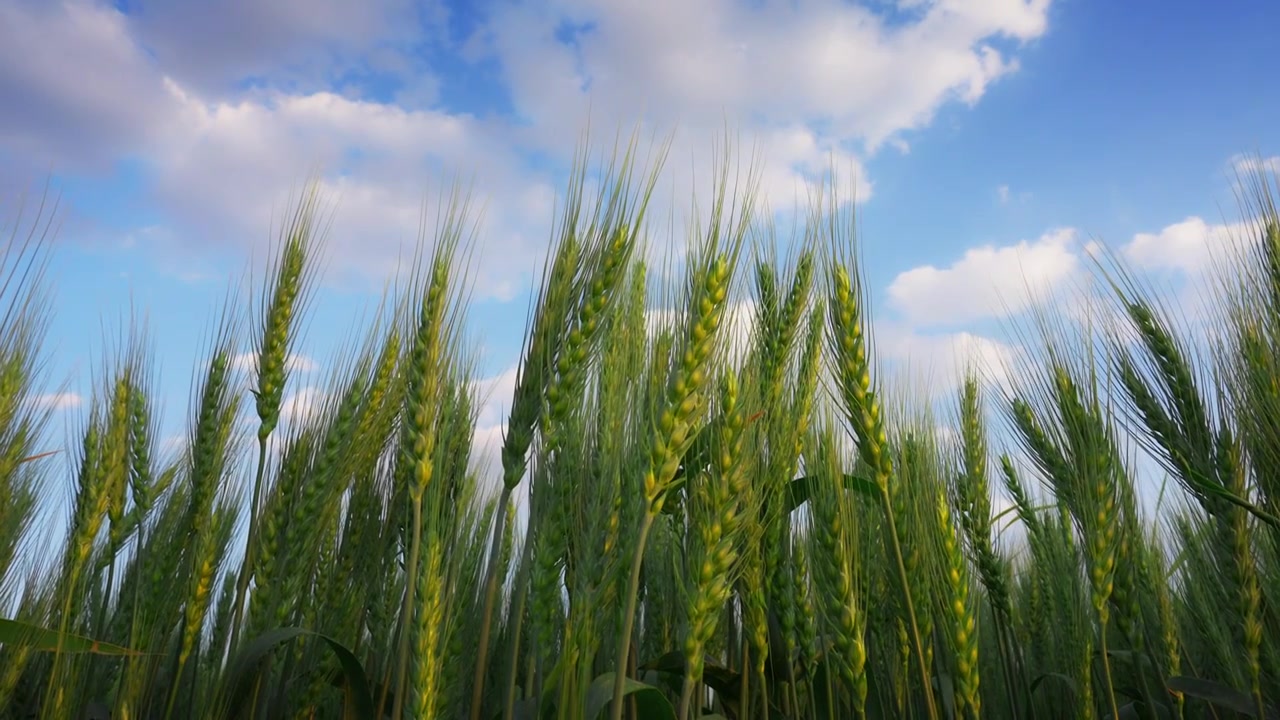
x=1069 y=682
x=1215 y=693
x=946 y=692
x=240 y=678
x=1131 y=658
x=651 y=704
x=13 y=632
x=1136 y=710
x=798 y=491
x=1129 y=711
x=725 y=682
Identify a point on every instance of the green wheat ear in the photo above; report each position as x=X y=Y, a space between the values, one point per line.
x=722 y=539
x=963 y=625
x=862 y=410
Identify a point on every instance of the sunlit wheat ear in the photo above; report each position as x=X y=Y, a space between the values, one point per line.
x=116 y=458
x=783 y=388
x=101 y=482
x=553 y=311
x=88 y=515
x=1170 y=641
x=697 y=355
x=210 y=463
x=808 y=374
x=807 y=632
x=1245 y=566
x=1078 y=458
x=962 y=617
x=839 y=572
x=284 y=298
x=685 y=399
x=849 y=353
x=853 y=375
x=420 y=481
x=972 y=495
x=144 y=483
x=607 y=259
x=721 y=504
x=917 y=477
x=1018 y=493
x=590 y=261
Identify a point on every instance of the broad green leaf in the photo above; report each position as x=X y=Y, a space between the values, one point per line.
x=1069 y=682
x=1217 y=694
x=723 y=681
x=1136 y=710
x=1129 y=657
x=798 y=491
x=945 y=687
x=13 y=632
x=651 y=704
x=240 y=677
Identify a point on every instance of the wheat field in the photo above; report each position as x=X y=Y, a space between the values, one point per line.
x=688 y=517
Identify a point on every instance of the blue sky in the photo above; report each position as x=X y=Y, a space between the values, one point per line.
x=993 y=139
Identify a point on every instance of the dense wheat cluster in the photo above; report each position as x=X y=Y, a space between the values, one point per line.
x=708 y=502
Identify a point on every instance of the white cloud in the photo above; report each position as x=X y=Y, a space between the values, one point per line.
x=229 y=166
x=937 y=363
x=224 y=168
x=1247 y=165
x=211 y=47
x=1006 y=195
x=80 y=90
x=737 y=325
x=296 y=363
x=834 y=62
x=495 y=394
x=809 y=82
x=1190 y=246
x=59 y=401
x=987 y=281
x=302 y=405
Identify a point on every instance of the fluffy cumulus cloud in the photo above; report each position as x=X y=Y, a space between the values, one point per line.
x=296 y=363
x=937 y=362
x=987 y=281
x=88 y=92
x=381 y=167
x=495 y=394
x=304 y=42
x=1190 y=246
x=812 y=82
x=227 y=124
x=861 y=73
